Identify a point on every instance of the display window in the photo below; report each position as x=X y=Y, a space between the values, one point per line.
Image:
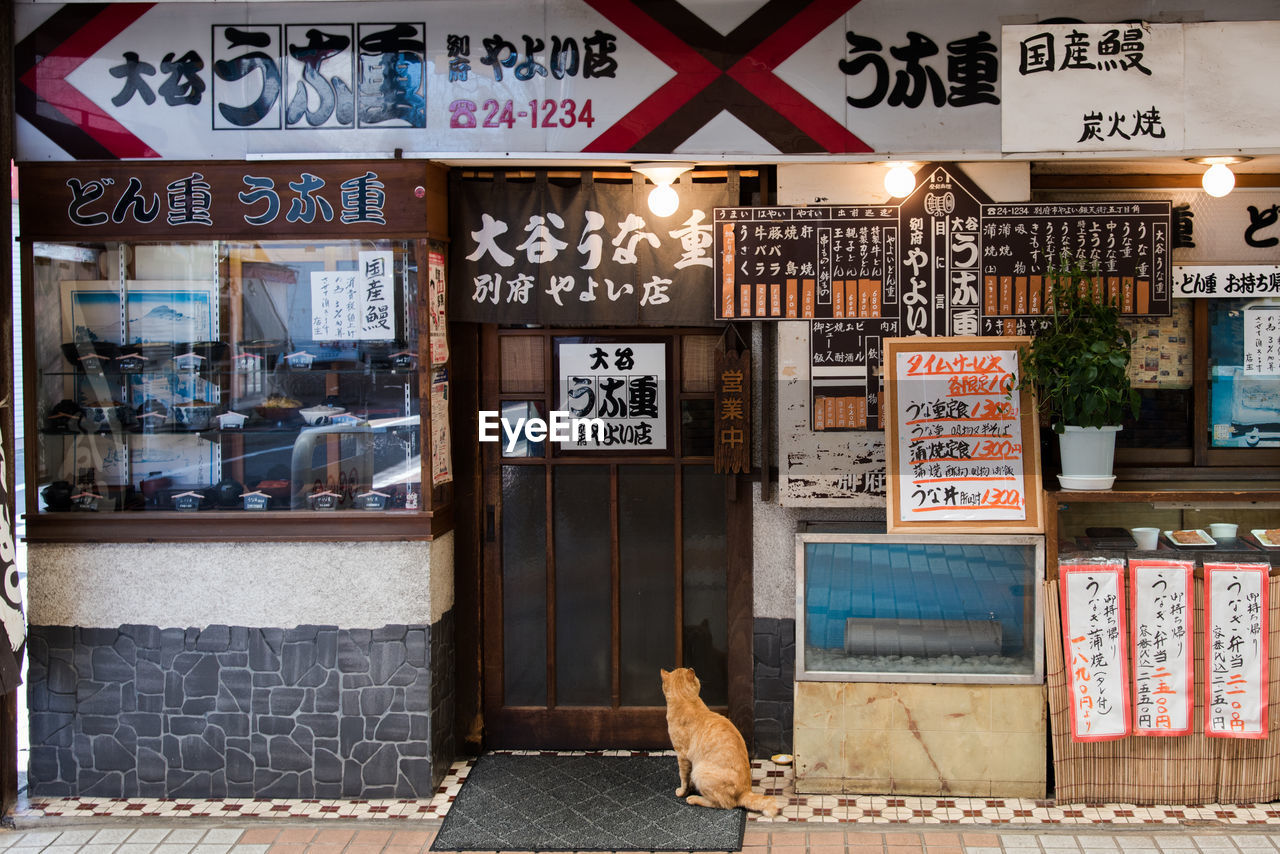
x=240 y=376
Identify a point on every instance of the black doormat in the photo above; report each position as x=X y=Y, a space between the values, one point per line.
x=582 y=803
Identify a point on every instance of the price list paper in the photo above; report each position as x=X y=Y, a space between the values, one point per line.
x=1093 y=643
x=959 y=438
x=1235 y=654
x=1162 y=598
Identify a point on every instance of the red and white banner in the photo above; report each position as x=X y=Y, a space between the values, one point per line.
x=1093 y=641
x=226 y=80
x=1235 y=650
x=1163 y=652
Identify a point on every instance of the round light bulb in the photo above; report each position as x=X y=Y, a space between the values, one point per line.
x=1218 y=180
x=899 y=181
x=663 y=200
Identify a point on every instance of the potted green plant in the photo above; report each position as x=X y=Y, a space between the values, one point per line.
x=1078 y=369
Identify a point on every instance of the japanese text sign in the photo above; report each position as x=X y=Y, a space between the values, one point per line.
x=97 y=201
x=591 y=253
x=1237 y=281
x=943 y=262
x=1262 y=340
x=1092 y=87
x=1093 y=642
x=1162 y=597
x=355 y=305
x=733 y=411
x=624 y=384
x=1235 y=649
x=961 y=440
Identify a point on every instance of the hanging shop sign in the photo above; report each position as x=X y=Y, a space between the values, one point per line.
x=622 y=385
x=203 y=201
x=732 y=371
x=1137 y=86
x=1162 y=596
x=225 y=80
x=1235 y=649
x=962 y=445
x=1093 y=643
x=592 y=253
x=944 y=262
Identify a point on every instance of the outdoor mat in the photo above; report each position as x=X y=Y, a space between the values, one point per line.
x=582 y=803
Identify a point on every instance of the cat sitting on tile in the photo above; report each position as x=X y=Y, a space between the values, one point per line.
x=709 y=749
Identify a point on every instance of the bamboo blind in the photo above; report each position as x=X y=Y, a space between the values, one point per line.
x=1189 y=769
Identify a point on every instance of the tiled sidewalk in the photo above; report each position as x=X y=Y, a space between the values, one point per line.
x=870 y=810
x=193 y=836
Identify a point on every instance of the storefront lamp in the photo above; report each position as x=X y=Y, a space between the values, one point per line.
x=899 y=181
x=663 y=200
x=1218 y=179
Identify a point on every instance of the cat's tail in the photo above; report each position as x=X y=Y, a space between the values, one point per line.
x=760 y=803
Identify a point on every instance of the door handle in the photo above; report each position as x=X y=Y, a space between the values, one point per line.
x=490 y=523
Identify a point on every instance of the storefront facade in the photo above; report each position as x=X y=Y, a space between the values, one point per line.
x=292 y=272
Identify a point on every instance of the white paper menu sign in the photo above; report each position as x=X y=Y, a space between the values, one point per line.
x=1262 y=340
x=1162 y=596
x=1235 y=654
x=1093 y=643
x=960 y=442
x=355 y=305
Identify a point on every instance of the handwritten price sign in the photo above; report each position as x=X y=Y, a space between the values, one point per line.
x=958 y=433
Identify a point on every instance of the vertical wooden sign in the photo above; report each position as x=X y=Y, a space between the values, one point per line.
x=733 y=411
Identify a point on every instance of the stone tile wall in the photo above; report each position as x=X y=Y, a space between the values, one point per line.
x=775 y=677
x=233 y=711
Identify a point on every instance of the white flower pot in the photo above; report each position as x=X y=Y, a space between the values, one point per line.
x=1087 y=454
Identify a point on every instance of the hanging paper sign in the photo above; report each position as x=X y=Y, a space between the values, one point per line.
x=1162 y=646
x=733 y=412
x=1093 y=643
x=615 y=394
x=1236 y=661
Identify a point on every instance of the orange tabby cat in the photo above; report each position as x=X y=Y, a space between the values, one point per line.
x=710 y=750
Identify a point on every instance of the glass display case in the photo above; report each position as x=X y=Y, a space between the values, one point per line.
x=225 y=375
x=919 y=608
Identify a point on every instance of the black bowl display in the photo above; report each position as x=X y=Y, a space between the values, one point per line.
x=91 y=356
x=57 y=495
x=267 y=351
x=227 y=492
x=213 y=352
x=66 y=416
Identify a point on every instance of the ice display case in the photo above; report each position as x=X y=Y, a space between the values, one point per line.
x=919 y=608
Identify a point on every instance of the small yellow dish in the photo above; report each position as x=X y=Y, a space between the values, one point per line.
x=781 y=758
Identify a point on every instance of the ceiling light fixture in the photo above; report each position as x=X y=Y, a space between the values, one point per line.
x=899 y=181
x=663 y=200
x=1218 y=179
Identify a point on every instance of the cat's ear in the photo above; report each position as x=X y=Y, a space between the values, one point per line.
x=666 y=674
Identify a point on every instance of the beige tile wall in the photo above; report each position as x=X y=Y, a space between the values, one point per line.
x=906 y=738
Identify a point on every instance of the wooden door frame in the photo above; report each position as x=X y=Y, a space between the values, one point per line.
x=476 y=355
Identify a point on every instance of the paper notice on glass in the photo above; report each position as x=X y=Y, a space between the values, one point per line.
x=959 y=442
x=1093 y=642
x=1235 y=650
x=377 y=289
x=436 y=308
x=354 y=305
x=441 y=456
x=1162 y=598
x=1262 y=340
